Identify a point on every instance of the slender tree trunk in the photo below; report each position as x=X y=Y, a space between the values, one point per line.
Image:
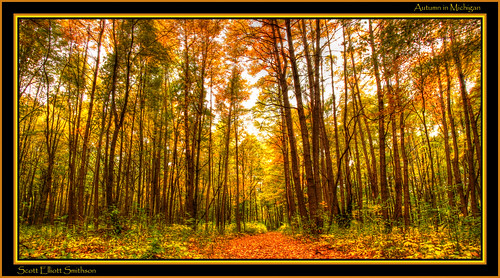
x=237 y=209
x=336 y=210
x=358 y=176
x=311 y=189
x=111 y=159
x=286 y=170
x=449 y=174
x=226 y=161
x=406 y=189
x=210 y=157
x=347 y=209
x=118 y=119
x=371 y=167
x=393 y=100
x=293 y=145
x=174 y=175
x=52 y=127
x=398 y=183
x=313 y=77
x=381 y=132
x=432 y=191
x=470 y=150
x=457 y=185
x=189 y=159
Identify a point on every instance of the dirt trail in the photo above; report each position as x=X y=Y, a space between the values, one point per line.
x=272 y=245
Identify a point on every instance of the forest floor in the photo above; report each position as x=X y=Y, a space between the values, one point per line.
x=181 y=242
x=271 y=245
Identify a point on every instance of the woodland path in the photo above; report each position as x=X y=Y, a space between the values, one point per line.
x=271 y=245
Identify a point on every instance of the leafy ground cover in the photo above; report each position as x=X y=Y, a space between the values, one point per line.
x=271 y=245
x=181 y=242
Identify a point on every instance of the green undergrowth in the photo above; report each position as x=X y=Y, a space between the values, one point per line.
x=140 y=241
x=370 y=242
x=137 y=241
x=50 y=242
x=251 y=228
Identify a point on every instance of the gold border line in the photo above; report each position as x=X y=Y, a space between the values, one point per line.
x=481 y=16
x=16 y=139
x=248 y=16
x=243 y=1
x=250 y=262
x=483 y=134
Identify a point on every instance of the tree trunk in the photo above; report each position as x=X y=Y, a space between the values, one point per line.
x=449 y=174
x=293 y=145
x=226 y=161
x=470 y=150
x=237 y=209
x=381 y=132
x=335 y=210
x=457 y=185
x=210 y=157
x=188 y=154
x=311 y=189
x=394 y=110
x=118 y=119
x=286 y=170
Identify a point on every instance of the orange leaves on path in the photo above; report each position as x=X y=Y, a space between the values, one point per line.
x=275 y=245
x=272 y=245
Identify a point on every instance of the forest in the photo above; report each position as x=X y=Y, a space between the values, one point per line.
x=186 y=138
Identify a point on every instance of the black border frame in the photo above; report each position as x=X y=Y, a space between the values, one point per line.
x=271 y=8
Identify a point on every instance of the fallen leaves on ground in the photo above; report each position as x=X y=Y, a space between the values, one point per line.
x=180 y=242
x=276 y=245
x=272 y=245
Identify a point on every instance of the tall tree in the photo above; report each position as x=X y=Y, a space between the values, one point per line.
x=118 y=118
x=311 y=185
x=381 y=127
x=466 y=110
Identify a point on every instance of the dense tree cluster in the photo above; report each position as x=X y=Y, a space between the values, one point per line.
x=367 y=120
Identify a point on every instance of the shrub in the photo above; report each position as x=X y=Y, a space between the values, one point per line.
x=154 y=250
x=178 y=231
x=248 y=228
x=255 y=228
x=285 y=228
